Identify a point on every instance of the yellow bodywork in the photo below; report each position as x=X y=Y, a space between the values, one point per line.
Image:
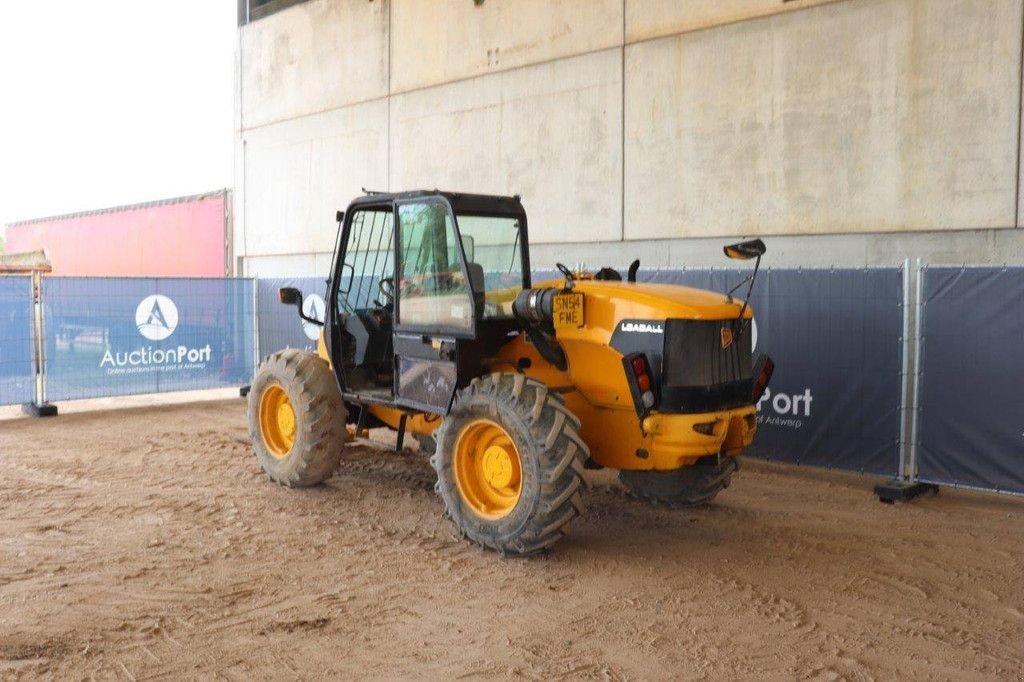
x=595 y=386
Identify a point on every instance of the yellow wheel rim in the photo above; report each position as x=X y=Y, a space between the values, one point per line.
x=488 y=471
x=277 y=421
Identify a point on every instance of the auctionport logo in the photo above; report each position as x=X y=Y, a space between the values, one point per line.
x=156 y=317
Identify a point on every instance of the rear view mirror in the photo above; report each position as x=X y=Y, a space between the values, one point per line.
x=469 y=246
x=290 y=296
x=754 y=248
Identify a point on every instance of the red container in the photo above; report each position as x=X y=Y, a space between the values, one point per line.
x=183 y=237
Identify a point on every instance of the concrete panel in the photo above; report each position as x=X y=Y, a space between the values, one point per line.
x=859 y=116
x=312 y=57
x=295 y=265
x=298 y=173
x=647 y=19
x=984 y=247
x=439 y=41
x=551 y=133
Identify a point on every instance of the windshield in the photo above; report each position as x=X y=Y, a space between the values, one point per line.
x=493 y=244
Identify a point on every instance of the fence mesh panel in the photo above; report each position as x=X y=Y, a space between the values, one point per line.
x=17 y=377
x=122 y=336
x=279 y=325
x=971 y=407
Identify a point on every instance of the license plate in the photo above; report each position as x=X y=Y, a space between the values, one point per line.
x=568 y=311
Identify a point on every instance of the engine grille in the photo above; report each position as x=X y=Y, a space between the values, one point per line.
x=698 y=374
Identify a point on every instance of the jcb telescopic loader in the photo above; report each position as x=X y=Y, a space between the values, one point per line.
x=434 y=328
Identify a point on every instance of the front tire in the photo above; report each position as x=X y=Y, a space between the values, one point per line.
x=296 y=418
x=686 y=487
x=509 y=464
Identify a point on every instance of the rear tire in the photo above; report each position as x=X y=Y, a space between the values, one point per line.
x=302 y=448
x=509 y=464
x=686 y=487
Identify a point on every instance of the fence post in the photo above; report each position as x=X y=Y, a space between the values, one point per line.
x=904 y=468
x=907 y=486
x=244 y=390
x=915 y=435
x=39 y=407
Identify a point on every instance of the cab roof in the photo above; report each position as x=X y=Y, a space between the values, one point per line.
x=461 y=202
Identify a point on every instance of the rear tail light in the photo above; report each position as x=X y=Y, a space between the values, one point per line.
x=641 y=382
x=763 y=369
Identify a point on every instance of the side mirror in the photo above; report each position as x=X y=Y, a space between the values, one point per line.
x=339 y=216
x=754 y=248
x=469 y=246
x=290 y=296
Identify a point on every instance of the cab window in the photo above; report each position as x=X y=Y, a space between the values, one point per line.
x=364 y=276
x=432 y=291
x=493 y=246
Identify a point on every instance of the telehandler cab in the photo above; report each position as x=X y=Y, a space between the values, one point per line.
x=434 y=328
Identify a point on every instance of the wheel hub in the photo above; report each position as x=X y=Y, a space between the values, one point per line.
x=277 y=421
x=498 y=466
x=488 y=470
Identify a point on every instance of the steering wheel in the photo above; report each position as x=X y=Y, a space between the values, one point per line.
x=387 y=287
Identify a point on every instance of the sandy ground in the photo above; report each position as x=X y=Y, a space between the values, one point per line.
x=145 y=543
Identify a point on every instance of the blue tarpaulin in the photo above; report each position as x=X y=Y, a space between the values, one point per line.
x=121 y=336
x=971 y=403
x=836 y=339
x=17 y=373
x=280 y=326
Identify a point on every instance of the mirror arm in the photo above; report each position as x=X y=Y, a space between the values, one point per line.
x=746 y=300
x=311 y=320
x=303 y=316
x=733 y=290
x=631 y=273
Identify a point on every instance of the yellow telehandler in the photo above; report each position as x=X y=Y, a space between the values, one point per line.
x=433 y=328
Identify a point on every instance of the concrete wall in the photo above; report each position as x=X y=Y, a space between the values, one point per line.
x=859 y=116
x=846 y=131
x=551 y=132
x=318 y=57
x=440 y=41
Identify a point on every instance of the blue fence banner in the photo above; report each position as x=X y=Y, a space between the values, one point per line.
x=836 y=337
x=17 y=371
x=280 y=325
x=971 y=402
x=123 y=336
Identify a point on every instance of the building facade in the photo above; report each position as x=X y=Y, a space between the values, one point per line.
x=844 y=132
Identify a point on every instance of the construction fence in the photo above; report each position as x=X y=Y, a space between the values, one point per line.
x=909 y=373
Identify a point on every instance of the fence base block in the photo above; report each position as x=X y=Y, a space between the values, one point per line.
x=44 y=410
x=243 y=392
x=903 y=491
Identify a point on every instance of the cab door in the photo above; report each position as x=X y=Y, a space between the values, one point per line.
x=433 y=304
x=360 y=311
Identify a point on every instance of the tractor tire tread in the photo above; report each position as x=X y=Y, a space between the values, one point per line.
x=527 y=407
x=320 y=418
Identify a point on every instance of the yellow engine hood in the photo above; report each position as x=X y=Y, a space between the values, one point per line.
x=611 y=301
